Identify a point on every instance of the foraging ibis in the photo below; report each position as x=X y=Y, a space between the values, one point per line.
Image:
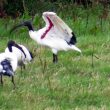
x=23 y=55
x=8 y=65
x=56 y=34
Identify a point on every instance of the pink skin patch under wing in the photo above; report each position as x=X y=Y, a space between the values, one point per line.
x=50 y=26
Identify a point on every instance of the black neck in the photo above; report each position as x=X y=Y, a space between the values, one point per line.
x=20 y=48
x=10 y=47
x=31 y=55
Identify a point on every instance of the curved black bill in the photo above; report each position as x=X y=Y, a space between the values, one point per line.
x=28 y=24
x=15 y=27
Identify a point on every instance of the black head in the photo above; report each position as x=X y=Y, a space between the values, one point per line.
x=28 y=24
x=10 y=44
x=7 y=68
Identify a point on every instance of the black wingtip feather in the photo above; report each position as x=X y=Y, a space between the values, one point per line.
x=73 y=39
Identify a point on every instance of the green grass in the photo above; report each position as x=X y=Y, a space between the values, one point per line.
x=76 y=82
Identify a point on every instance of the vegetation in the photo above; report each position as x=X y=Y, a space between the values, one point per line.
x=77 y=82
x=15 y=8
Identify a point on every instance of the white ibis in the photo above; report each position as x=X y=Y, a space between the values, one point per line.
x=8 y=65
x=23 y=55
x=56 y=34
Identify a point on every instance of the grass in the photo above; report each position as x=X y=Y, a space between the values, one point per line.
x=75 y=83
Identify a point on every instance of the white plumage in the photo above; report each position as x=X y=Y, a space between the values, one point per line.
x=56 y=34
x=15 y=55
x=11 y=57
x=23 y=55
x=8 y=65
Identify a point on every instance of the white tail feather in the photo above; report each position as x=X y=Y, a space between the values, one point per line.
x=75 y=48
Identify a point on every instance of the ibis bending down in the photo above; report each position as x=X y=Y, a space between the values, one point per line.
x=8 y=65
x=23 y=55
x=55 y=35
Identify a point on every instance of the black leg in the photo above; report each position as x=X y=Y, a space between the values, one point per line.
x=55 y=58
x=24 y=66
x=13 y=81
x=1 y=79
x=21 y=69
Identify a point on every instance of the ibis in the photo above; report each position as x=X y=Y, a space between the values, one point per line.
x=56 y=34
x=23 y=54
x=8 y=65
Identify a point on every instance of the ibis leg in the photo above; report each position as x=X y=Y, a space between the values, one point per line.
x=13 y=81
x=24 y=66
x=55 y=58
x=1 y=78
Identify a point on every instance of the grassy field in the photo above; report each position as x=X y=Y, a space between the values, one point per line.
x=76 y=82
